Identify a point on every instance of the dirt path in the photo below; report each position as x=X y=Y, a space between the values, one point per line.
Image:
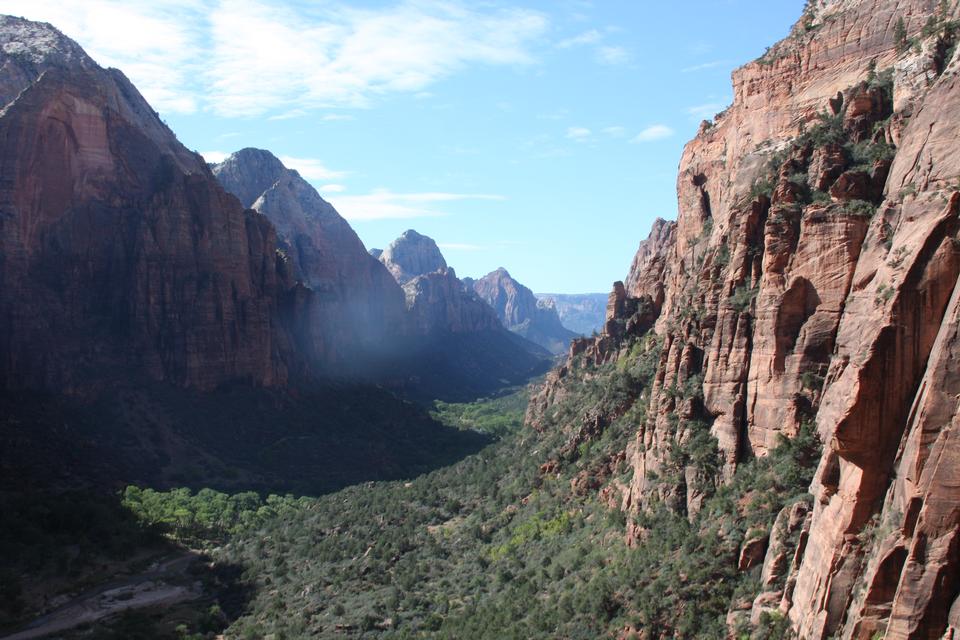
x=142 y=590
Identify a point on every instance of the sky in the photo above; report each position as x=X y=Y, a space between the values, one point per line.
x=543 y=137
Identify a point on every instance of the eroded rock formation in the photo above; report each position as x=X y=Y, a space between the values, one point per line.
x=811 y=277
x=436 y=299
x=520 y=311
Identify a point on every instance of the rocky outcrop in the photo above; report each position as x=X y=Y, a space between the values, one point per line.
x=356 y=305
x=454 y=343
x=412 y=255
x=811 y=279
x=437 y=301
x=120 y=252
x=520 y=311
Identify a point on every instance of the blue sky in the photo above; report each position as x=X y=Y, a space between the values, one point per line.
x=539 y=136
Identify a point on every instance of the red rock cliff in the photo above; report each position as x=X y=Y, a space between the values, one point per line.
x=355 y=304
x=118 y=249
x=812 y=277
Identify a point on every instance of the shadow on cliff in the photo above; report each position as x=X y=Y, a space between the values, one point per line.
x=238 y=438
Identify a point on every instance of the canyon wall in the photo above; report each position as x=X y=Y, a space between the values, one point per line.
x=124 y=258
x=354 y=305
x=437 y=301
x=120 y=252
x=810 y=281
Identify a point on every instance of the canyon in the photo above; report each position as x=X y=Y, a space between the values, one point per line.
x=125 y=254
x=761 y=441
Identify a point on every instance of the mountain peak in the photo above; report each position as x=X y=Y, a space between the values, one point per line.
x=412 y=254
x=39 y=43
x=28 y=49
x=249 y=172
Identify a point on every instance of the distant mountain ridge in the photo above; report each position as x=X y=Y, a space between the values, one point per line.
x=519 y=311
x=404 y=320
x=583 y=313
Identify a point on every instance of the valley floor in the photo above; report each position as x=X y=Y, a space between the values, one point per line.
x=509 y=542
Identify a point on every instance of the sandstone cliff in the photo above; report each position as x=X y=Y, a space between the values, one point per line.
x=119 y=249
x=436 y=299
x=811 y=279
x=520 y=312
x=355 y=304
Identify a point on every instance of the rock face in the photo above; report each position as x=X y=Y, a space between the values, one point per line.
x=412 y=255
x=436 y=299
x=356 y=305
x=812 y=277
x=118 y=249
x=520 y=312
x=582 y=313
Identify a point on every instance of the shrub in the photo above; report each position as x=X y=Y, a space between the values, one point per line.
x=866 y=153
x=828 y=130
x=811 y=380
x=900 y=35
x=860 y=208
x=761 y=188
x=884 y=293
x=742 y=298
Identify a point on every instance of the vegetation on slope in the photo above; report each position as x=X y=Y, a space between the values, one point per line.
x=511 y=542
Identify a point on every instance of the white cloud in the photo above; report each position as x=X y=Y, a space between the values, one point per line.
x=613 y=55
x=332 y=188
x=252 y=57
x=706 y=111
x=214 y=157
x=383 y=204
x=332 y=54
x=594 y=38
x=311 y=168
x=704 y=66
x=653 y=132
x=587 y=37
x=559 y=114
x=460 y=246
x=579 y=134
x=289 y=115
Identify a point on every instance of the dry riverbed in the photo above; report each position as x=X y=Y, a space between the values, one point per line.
x=164 y=583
